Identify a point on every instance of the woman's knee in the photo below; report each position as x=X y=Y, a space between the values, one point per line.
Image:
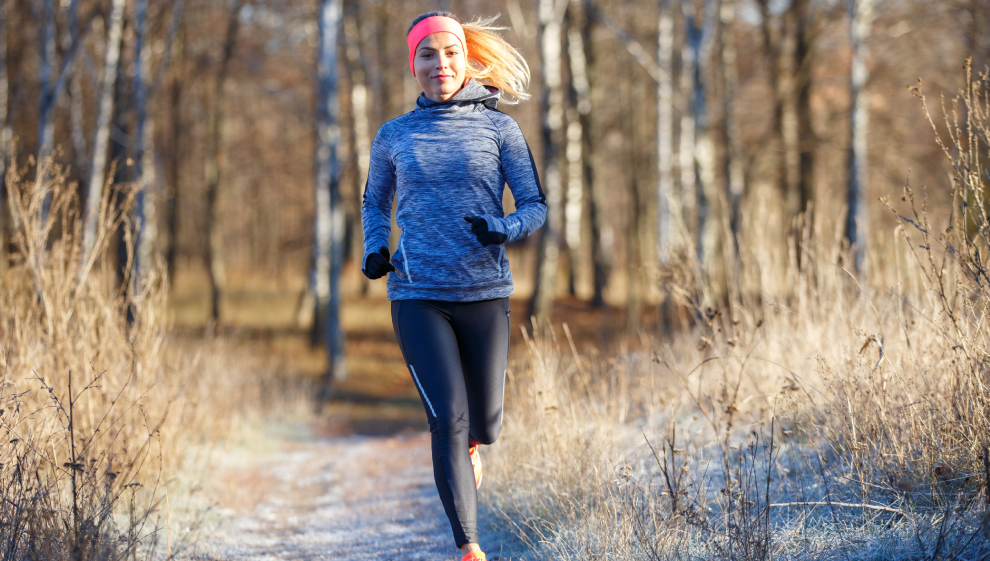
x=488 y=433
x=448 y=425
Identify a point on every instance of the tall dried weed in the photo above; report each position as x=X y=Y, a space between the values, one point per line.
x=99 y=405
x=807 y=413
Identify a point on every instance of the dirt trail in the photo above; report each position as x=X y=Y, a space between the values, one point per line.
x=344 y=498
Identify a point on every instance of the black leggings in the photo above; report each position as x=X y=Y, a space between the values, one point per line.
x=457 y=354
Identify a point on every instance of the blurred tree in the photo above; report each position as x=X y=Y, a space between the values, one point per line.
x=861 y=21
x=4 y=133
x=732 y=169
x=52 y=80
x=794 y=100
x=177 y=131
x=773 y=45
x=214 y=154
x=46 y=102
x=143 y=170
x=732 y=160
x=700 y=33
x=77 y=121
x=328 y=238
x=667 y=205
x=804 y=65
x=582 y=171
x=104 y=114
x=145 y=161
x=636 y=241
x=551 y=14
x=360 y=135
x=574 y=195
x=686 y=152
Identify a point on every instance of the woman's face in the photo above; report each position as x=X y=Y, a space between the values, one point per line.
x=440 y=65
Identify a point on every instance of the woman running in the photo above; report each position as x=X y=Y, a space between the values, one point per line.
x=449 y=281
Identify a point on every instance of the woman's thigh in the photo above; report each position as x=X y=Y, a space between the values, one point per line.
x=430 y=348
x=482 y=331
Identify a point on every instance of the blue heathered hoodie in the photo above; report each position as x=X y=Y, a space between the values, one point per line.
x=448 y=160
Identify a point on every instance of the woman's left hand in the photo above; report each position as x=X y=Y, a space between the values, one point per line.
x=479 y=226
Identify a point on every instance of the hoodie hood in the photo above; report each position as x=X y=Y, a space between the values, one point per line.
x=472 y=92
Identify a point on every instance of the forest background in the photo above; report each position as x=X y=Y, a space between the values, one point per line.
x=201 y=164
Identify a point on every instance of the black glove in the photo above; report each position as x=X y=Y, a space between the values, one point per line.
x=377 y=265
x=479 y=226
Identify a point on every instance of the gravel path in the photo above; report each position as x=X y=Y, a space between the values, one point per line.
x=344 y=498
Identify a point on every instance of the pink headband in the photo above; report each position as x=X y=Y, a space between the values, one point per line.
x=429 y=26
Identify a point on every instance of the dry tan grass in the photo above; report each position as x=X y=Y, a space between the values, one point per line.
x=100 y=406
x=807 y=414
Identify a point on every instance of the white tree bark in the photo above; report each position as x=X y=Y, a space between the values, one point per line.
x=857 y=223
x=581 y=92
x=104 y=115
x=328 y=241
x=550 y=13
x=667 y=206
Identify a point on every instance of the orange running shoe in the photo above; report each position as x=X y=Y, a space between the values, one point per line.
x=475 y=463
x=474 y=556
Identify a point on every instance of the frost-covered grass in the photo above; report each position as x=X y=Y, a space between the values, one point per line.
x=808 y=413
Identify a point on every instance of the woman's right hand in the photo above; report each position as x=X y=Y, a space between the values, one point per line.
x=376 y=265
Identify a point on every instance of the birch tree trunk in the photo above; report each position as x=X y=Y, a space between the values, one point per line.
x=573 y=205
x=581 y=60
x=144 y=168
x=550 y=14
x=578 y=117
x=666 y=204
x=214 y=147
x=857 y=224
x=328 y=242
x=698 y=166
x=104 y=115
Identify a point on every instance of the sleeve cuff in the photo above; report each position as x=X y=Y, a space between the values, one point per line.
x=502 y=226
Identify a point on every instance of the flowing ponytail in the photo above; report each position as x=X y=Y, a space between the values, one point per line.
x=491 y=59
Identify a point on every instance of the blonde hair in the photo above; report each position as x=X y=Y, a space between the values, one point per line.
x=491 y=59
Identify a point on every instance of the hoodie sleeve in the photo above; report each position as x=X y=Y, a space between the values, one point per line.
x=376 y=209
x=519 y=171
